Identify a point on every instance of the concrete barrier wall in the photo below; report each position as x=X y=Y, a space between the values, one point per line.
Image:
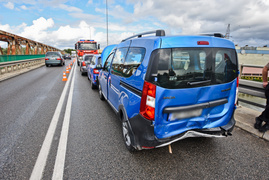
x=11 y=69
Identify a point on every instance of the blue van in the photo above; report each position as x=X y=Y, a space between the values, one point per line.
x=167 y=88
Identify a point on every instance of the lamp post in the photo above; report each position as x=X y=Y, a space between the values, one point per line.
x=106 y=24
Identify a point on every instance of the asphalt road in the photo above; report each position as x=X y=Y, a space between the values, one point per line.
x=95 y=149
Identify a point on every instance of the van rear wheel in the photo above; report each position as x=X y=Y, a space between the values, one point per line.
x=126 y=136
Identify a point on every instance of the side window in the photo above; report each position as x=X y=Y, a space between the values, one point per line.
x=117 y=64
x=93 y=61
x=99 y=61
x=108 y=62
x=133 y=60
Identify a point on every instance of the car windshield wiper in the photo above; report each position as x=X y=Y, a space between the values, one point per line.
x=198 y=83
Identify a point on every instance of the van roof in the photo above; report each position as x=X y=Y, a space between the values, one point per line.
x=162 y=41
x=180 y=41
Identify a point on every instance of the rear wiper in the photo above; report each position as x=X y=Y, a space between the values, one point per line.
x=198 y=83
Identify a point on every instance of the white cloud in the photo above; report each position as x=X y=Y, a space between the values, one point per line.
x=24 y=7
x=69 y=8
x=248 y=19
x=9 y=5
x=37 y=31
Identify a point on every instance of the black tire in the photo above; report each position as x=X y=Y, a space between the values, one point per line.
x=101 y=96
x=47 y=65
x=126 y=135
x=92 y=85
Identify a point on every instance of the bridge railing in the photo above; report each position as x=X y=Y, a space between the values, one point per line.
x=8 y=67
x=249 y=87
x=9 y=58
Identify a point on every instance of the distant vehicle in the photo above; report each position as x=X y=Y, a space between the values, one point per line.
x=86 y=59
x=86 y=47
x=167 y=88
x=54 y=58
x=67 y=56
x=93 y=69
x=73 y=53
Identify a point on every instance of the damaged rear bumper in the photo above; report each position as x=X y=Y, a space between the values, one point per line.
x=143 y=133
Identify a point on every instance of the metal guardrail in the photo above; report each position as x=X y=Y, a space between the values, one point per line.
x=9 y=58
x=12 y=66
x=253 y=88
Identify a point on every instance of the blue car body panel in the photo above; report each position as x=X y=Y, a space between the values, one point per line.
x=216 y=103
x=165 y=126
x=90 y=68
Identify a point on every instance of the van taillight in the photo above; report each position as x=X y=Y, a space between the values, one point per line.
x=147 y=105
x=202 y=43
x=83 y=63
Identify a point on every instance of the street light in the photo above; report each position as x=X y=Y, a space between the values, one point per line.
x=106 y=24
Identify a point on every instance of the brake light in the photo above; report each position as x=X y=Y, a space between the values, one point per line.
x=202 y=43
x=95 y=71
x=147 y=105
x=83 y=63
x=59 y=59
x=46 y=59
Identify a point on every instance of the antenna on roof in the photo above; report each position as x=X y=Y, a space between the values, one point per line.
x=227 y=35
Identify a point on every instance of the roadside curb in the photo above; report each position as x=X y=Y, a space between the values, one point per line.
x=245 y=119
x=18 y=72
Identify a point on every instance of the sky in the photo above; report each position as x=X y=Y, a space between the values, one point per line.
x=61 y=23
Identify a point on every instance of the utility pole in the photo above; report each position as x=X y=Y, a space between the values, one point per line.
x=106 y=24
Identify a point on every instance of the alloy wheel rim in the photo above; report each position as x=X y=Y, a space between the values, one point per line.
x=126 y=134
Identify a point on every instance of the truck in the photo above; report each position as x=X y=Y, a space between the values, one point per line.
x=73 y=53
x=84 y=46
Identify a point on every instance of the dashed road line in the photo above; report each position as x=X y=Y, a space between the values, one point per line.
x=61 y=152
x=44 y=151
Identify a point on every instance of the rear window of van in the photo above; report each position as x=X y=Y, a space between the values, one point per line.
x=193 y=67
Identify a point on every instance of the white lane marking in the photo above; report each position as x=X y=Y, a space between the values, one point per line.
x=61 y=152
x=44 y=151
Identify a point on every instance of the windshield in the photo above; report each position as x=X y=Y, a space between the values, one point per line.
x=88 y=58
x=193 y=67
x=87 y=46
x=52 y=54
